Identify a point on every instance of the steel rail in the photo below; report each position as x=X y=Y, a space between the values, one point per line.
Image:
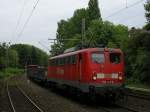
x=10 y=100
x=33 y=103
x=25 y=95
x=129 y=109
x=138 y=94
x=111 y=110
x=142 y=96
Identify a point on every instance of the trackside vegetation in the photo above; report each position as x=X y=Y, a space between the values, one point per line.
x=10 y=72
x=135 y=42
x=14 y=58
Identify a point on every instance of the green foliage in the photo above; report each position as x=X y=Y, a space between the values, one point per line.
x=24 y=52
x=13 y=58
x=120 y=36
x=56 y=49
x=97 y=32
x=138 y=62
x=10 y=72
x=30 y=55
x=8 y=56
x=93 y=10
x=72 y=28
x=147 y=26
x=17 y=56
x=76 y=41
x=147 y=14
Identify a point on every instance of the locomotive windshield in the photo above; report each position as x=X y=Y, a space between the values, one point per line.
x=115 y=58
x=97 y=58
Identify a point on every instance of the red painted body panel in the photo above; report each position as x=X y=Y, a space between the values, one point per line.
x=84 y=69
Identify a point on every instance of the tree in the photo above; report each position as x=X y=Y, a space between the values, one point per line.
x=70 y=28
x=100 y=33
x=3 y=47
x=30 y=55
x=137 y=55
x=93 y=10
x=13 y=58
x=120 y=37
x=147 y=14
x=34 y=56
x=6 y=53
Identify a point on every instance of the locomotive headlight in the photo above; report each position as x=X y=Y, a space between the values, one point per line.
x=115 y=75
x=100 y=75
x=94 y=77
x=120 y=78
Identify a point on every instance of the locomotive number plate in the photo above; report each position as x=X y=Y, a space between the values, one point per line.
x=109 y=82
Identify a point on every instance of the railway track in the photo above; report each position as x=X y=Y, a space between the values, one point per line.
x=20 y=101
x=25 y=104
x=138 y=94
x=117 y=108
x=141 y=101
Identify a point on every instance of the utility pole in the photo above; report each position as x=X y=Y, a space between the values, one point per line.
x=16 y=60
x=7 y=54
x=7 y=57
x=83 y=32
x=54 y=40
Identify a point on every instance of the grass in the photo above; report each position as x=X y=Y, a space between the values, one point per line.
x=10 y=72
x=136 y=83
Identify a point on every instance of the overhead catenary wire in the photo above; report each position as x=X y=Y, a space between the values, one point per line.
x=28 y=19
x=131 y=18
x=121 y=10
x=18 y=21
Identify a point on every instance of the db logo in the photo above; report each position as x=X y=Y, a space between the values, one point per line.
x=60 y=71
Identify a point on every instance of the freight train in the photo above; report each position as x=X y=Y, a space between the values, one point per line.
x=93 y=71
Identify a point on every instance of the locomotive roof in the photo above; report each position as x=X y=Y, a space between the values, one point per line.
x=88 y=50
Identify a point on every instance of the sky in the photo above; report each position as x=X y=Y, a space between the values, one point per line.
x=43 y=22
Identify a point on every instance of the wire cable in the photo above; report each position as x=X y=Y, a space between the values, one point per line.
x=19 y=19
x=28 y=19
x=127 y=7
x=21 y=14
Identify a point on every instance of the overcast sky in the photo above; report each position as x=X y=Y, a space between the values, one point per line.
x=43 y=23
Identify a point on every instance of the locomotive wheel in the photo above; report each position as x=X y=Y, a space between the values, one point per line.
x=92 y=95
x=110 y=98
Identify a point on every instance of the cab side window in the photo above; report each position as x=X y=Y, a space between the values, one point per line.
x=115 y=58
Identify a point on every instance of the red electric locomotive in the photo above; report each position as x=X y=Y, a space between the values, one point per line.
x=92 y=70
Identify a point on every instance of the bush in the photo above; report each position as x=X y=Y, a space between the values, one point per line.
x=137 y=57
x=10 y=72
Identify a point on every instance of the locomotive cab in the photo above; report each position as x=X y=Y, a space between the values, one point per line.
x=107 y=69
